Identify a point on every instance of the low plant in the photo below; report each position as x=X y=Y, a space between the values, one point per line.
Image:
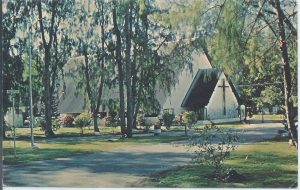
x=56 y=124
x=168 y=119
x=140 y=120
x=111 y=121
x=212 y=146
x=41 y=122
x=189 y=117
x=83 y=120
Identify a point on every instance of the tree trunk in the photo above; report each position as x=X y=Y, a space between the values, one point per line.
x=130 y=114
x=89 y=90
x=120 y=72
x=47 y=60
x=95 y=119
x=2 y=130
x=287 y=76
x=47 y=97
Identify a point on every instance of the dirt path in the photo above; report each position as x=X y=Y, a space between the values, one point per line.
x=118 y=168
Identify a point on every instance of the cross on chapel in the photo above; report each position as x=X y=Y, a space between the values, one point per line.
x=224 y=99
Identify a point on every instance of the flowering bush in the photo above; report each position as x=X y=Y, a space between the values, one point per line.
x=68 y=120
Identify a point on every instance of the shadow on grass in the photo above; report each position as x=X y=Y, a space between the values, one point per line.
x=25 y=155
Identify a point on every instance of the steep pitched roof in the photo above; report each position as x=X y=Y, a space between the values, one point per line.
x=202 y=88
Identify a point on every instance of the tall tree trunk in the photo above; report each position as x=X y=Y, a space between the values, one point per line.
x=95 y=122
x=120 y=72
x=47 y=60
x=47 y=96
x=287 y=75
x=89 y=90
x=128 y=33
x=1 y=94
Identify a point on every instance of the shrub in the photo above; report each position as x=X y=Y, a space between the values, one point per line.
x=56 y=124
x=189 y=117
x=83 y=120
x=41 y=122
x=212 y=146
x=68 y=120
x=168 y=119
x=111 y=121
x=140 y=120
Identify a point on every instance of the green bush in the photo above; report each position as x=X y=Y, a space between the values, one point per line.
x=212 y=146
x=41 y=122
x=189 y=117
x=83 y=120
x=111 y=121
x=168 y=119
x=140 y=120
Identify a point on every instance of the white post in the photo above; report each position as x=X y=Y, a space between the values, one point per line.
x=14 y=126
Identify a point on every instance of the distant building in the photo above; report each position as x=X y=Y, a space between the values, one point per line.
x=206 y=91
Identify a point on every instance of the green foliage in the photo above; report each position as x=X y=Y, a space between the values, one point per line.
x=41 y=122
x=189 y=117
x=83 y=120
x=213 y=146
x=140 y=120
x=168 y=119
x=111 y=121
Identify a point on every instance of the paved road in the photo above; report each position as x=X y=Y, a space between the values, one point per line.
x=124 y=167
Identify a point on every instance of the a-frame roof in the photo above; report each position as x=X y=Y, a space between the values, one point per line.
x=202 y=88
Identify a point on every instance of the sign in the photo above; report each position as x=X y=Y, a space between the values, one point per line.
x=11 y=92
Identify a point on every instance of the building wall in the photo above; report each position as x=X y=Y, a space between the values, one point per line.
x=185 y=80
x=18 y=118
x=215 y=106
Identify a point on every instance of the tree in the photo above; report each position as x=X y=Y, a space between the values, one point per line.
x=147 y=64
x=242 y=38
x=118 y=55
x=287 y=72
x=90 y=35
x=52 y=12
x=14 y=47
x=1 y=88
x=47 y=59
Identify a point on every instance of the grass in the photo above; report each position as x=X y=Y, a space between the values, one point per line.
x=63 y=147
x=63 y=131
x=269 y=164
x=268 y=117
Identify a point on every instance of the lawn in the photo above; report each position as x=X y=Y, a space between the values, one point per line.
x=52 y=148
x=278 y=117
x=63 y=131
x=269 y=164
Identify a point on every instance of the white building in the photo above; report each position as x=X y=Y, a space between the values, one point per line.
x=206 y=91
